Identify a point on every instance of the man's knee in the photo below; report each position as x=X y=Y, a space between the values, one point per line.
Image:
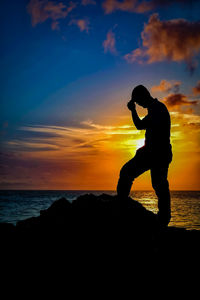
x=125 y=172
x=160 y=185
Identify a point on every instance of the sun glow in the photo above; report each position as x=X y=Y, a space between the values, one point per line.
x=91 y=154
x=133 y=144
x=139 y=143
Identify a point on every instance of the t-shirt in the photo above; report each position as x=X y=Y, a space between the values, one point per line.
x=157 y=124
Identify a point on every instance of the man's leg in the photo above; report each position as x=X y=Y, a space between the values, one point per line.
x=132 y=169
x=161 y=187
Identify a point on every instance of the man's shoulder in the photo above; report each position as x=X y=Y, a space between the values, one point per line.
x=160 y=105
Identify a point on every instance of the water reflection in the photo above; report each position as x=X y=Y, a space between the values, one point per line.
x=185 y=206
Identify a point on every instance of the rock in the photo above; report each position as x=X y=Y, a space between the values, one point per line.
x=100 y=226
x=60 y=207
x=7 y=229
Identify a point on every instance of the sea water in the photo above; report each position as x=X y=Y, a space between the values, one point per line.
x=20 y=204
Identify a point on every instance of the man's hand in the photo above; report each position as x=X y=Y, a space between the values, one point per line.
x=131 y=105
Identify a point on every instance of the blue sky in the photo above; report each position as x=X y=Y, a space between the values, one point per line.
x=56 y=70
x=38 y=62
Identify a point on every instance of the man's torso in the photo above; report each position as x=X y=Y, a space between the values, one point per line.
x=157 y=136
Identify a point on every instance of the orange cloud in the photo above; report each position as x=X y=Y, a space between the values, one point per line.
x=135 y=6
x=109 y=43
x=166 y=86
x=111 y=5
x=177 y=100
x=196 y=89
x=88 y=2
x=174 y=40
x=81 y=23
x=42 y=10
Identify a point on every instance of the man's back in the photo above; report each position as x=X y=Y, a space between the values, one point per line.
x=157 y=124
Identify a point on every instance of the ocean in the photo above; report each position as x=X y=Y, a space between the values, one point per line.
x=21 y=204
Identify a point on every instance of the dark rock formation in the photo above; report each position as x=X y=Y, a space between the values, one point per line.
x=99 y=228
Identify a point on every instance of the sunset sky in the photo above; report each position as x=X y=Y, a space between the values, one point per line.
x=67 y=72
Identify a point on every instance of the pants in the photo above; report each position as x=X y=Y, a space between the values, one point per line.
x=158 y=164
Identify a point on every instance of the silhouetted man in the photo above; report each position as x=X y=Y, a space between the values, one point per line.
x=155 y=155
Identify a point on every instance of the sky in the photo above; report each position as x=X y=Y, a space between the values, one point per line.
x=67 y=72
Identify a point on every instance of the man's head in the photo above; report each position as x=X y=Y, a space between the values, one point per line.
x=141 y=96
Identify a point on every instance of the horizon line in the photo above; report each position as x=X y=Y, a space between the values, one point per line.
x=94 y=190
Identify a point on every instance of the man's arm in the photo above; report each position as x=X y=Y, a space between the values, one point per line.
x=139 y=124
